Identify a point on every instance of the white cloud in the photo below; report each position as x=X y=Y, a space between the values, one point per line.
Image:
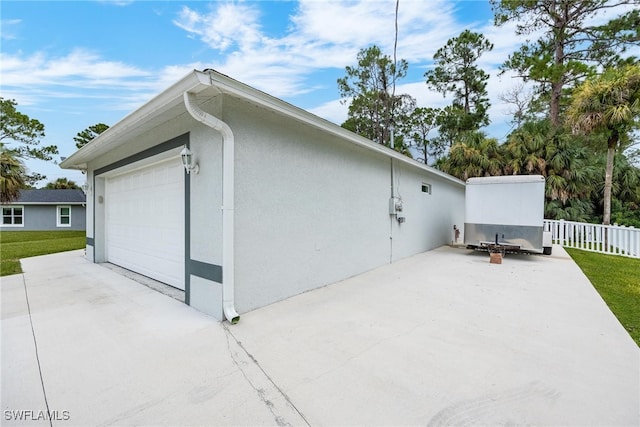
x=333 y=111
x=6 y=28
x=234 y=30
x=322 y=35
x=225 y=26
x=505 y=42
x=356 y=25
x=418 y=45
x=329 y=34
x=80 y=68
x=83 y=74
x=340 y=23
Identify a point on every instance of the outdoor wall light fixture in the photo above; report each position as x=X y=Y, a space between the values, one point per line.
x=188 y=161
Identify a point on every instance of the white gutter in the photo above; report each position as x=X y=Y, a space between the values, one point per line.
x=228 y=279
x=117 y=134
x=228 y=85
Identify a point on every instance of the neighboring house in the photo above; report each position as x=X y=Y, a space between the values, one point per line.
x=45 y=210
x=282 y=201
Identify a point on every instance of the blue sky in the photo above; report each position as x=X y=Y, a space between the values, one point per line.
x=77 y=63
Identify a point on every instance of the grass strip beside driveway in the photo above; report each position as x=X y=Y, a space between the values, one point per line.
x=15 y=245
x=617 y=280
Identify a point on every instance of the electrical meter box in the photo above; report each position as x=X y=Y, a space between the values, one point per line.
x=395 y=205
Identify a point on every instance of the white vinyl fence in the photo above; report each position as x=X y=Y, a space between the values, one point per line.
x=607 y=239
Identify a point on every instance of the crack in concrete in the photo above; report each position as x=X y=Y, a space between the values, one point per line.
x=35 y=345
x=261 y=392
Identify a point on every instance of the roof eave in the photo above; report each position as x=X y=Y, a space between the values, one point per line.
x=154 y=107
x=196 y=81
x=234 y=87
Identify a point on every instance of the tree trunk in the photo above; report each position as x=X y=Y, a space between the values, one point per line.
x=556 y=86
x=467 y=108
x=554 y=110
x=560 y=19
x=608 y=179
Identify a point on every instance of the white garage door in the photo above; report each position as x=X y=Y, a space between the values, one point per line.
x=145 y=221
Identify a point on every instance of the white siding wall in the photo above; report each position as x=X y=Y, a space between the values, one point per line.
x=206 y=215
x=206 y=195
x=309 y=209
x=312 y=210
x=429 y=217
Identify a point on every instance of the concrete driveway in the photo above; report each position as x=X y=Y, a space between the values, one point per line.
x=441 y=338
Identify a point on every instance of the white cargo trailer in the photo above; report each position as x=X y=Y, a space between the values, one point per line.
x=506 y=212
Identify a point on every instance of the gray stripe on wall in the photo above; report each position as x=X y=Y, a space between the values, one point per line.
x=206 y=271
x=89 y=241
x=176 y=142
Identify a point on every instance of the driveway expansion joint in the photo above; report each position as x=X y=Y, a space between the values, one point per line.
x=268 y=392
x=35 y=345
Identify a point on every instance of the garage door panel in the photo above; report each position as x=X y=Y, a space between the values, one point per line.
x=145 y=221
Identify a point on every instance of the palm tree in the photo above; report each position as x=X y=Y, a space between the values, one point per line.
x=526 y=149
x=12 y=174
x=474 y=155
x=608 y=104
x=536 y=148
x=62 y=183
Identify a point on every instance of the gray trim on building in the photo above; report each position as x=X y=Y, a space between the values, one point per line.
x=176 y=142
x=192 y=267
x=205 y=270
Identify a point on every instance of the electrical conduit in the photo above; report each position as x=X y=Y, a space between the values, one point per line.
x=228 y=280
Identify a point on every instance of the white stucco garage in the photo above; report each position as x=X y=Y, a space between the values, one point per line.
x=282 y=201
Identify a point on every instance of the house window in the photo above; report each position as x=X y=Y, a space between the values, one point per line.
x=64 y=216
x=13 y=216
x=426 y=188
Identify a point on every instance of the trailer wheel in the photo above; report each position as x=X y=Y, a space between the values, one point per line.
x=546 y=250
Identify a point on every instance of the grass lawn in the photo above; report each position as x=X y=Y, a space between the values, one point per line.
x=15 y=245
x=617 y=279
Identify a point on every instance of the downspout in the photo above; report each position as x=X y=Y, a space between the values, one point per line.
x=228 y=280
x=393 y=198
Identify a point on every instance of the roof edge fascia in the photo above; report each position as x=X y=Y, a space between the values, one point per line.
x=229 y=85
x=192 y=81
x=198 y=80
